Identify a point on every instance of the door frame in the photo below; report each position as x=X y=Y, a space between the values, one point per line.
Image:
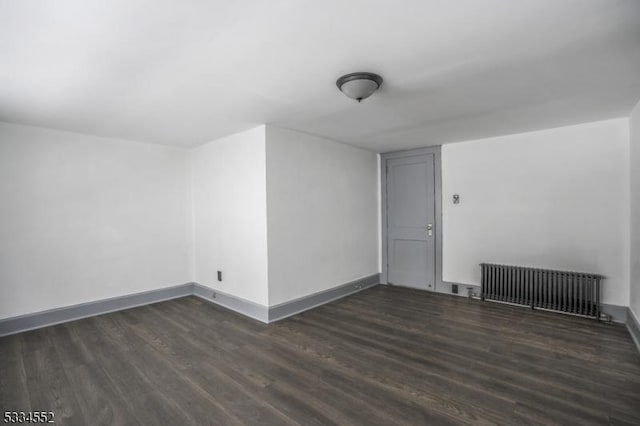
x=435 y=150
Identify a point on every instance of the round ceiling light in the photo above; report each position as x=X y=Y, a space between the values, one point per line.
x=359 y=85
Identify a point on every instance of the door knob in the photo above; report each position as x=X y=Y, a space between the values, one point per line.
x=430 y=229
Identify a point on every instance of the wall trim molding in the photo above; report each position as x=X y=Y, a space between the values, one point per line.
x=633 y=325
x=295 y=306
x=55 y=316
x=445 y=288
x=238 y=304
x=262 y=313
x=618 y=313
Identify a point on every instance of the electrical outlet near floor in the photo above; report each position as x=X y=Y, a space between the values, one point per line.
x=454 y=288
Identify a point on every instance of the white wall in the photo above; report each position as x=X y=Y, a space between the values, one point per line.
x=322 y=205
x=228 y=181
x=84 y=218
x=556 y=198
x=634 y=127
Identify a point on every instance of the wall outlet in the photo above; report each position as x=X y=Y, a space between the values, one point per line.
x=454 y=288
x=219 y=275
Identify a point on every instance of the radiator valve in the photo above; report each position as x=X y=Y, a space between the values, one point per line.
x=605 y=317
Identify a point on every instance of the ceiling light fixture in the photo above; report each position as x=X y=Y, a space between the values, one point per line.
x=359 y=85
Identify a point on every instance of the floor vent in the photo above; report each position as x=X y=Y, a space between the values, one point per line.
x=567 y=292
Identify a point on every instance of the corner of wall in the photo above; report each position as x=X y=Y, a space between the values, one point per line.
x=310 y=180
x=266 y=128
x=634 y=211
x=191 y=230
x=228 y=185
x=379 y=187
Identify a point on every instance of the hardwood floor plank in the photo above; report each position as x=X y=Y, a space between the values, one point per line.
x=14 y=394
x=237 y=395
x=384 y=356
x=47 y=382
x=495 y=357
x=172 y=388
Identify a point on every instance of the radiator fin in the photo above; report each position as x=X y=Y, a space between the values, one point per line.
x=568 y=292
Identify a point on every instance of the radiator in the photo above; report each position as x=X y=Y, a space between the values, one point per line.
x=573 y=293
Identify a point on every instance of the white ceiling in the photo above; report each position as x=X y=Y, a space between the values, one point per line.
x=184 y=72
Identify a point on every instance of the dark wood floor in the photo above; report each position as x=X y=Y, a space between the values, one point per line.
x=384 y=356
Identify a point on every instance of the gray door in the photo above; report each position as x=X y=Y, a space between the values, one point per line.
x=411 y=247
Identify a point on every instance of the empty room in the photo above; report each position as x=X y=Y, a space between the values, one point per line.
x=294 y=212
